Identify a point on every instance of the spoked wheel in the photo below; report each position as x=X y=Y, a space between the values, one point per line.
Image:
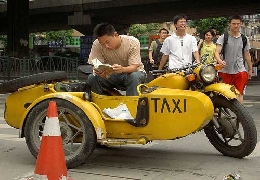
x=77 y=132
x=232 y=130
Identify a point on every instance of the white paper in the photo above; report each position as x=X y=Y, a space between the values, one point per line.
x=96 y=62
x=106 y=69
x=116 y=112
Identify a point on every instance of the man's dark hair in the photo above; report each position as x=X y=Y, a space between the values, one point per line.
x=103 y=29
x=177 y=17
x=234 y=17
x=163 y=29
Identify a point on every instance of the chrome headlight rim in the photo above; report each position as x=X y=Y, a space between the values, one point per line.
x=208 y=73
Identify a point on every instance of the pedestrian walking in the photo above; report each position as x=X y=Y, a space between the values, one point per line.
x=207 y=46
x=232 y=51
x=154 y=51
x=180 y=46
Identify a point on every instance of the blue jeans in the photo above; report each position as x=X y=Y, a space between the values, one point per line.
x=124 y=80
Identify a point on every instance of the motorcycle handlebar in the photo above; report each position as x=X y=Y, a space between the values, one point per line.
x=159 y=71
x=203 y=58
x=174 y=70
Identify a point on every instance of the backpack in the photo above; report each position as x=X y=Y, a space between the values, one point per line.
x=201 y=45
x=244 y=39
x=157 y=55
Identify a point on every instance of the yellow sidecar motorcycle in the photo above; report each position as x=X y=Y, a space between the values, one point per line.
x=177 y=103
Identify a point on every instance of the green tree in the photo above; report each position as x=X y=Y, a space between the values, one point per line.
x=57 y=35
x=54 y=35
x=144 y=29
x=50 y=35
x=60 y=36
x=153 y=28
x=3 y=38
x=201 y=25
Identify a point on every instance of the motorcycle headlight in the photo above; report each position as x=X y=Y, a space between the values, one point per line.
x=208 y=73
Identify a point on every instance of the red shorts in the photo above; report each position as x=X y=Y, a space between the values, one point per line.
x=239 y=80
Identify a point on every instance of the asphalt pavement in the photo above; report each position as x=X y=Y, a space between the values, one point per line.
x=252 y=91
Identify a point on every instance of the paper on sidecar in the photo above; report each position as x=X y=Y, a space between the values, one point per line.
x=116 y=113
x=107 y=68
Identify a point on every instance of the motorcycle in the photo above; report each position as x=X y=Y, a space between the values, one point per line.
x=232 y=129
x=167 y=108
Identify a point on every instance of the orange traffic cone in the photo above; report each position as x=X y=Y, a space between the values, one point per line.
x=51 y=163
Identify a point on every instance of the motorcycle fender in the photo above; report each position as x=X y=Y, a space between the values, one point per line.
x=76 y=98
x=229 y=91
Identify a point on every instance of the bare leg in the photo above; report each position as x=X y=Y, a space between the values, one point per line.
x=240 y=98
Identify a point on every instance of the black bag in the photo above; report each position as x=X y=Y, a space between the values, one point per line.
x=157 y=55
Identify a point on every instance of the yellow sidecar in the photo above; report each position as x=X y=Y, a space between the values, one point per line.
x=157 y=114
x=163 y=110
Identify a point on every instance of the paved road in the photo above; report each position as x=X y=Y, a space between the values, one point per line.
x=189 y=158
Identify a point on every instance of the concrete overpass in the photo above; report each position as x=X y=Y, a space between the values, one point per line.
x=17 y=20
x=83 y=15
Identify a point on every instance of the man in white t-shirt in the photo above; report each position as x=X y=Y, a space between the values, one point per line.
x=180 y=46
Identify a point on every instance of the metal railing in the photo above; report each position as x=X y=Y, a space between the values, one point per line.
x=11 y=67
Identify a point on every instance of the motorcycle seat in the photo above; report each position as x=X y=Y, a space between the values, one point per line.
x=79 y=86
x=76 y=86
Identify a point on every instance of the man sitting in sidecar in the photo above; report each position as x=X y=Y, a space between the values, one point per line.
x=121 y=53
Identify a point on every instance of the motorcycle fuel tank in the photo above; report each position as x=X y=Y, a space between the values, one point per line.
x=171 y=80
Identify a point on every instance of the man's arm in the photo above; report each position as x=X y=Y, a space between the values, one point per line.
x=95 y=53
x=150 y=55
x=217 y=55
x=195 y=49
x=196 y=56
x=249 y=62
x=117 y=68
x=128 y=69
x=199 y=43
x=163 y=61
x=134 y=59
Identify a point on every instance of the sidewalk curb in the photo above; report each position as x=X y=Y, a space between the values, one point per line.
x=254 y=98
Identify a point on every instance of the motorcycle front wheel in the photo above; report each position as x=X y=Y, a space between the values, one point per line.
x=233 y=133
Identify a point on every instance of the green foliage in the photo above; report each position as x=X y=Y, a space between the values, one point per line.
x=49 y=36
x=153 y=28
x=3 y=38
x=201 y=25
x=144 y=29
x=137 y=29
x=54 y=35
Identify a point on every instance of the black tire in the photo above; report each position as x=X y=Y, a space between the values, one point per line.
x=15 y=84
x=224 y=138
x=78 y=143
